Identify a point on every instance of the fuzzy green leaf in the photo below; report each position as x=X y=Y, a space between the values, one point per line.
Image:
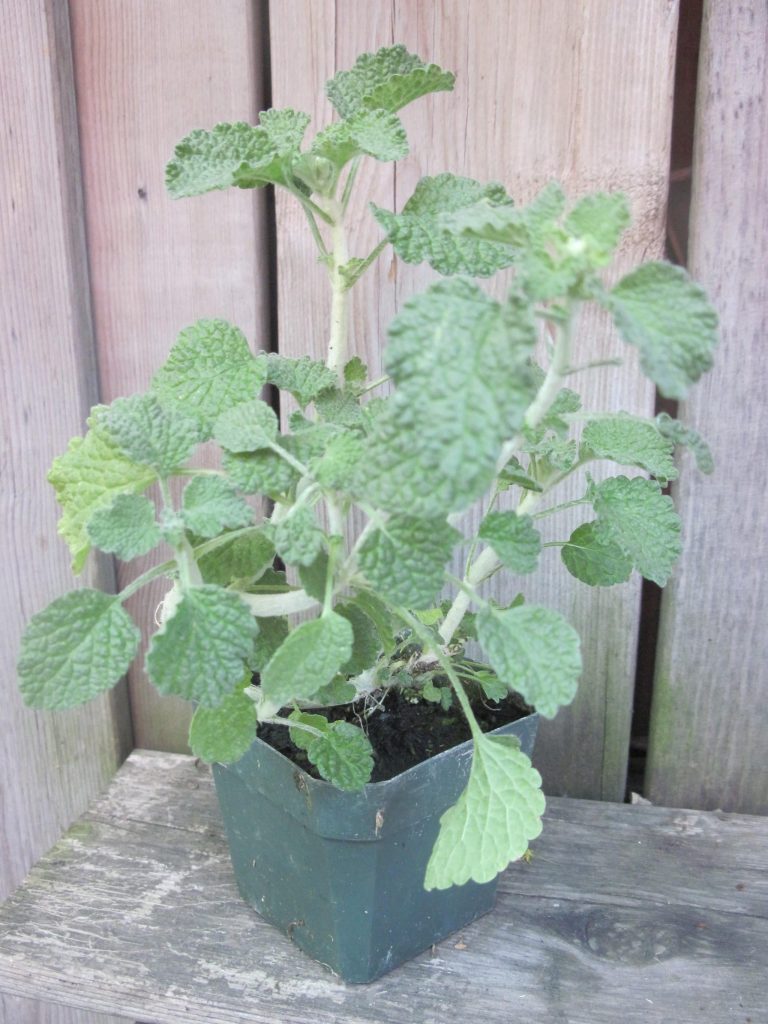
x=148 y=433
x=209 y=369
x=375 y=133
x=201 y=651
x=594 y=559
x=308 y=659
x=314 y=577
x=525 y=228
x=343 y=755
x=634 y=514
x=494 y=820
x=263 y=471
x=89 y=476
x=242 y=558
x=73 y=650
x=598 y=221
x=425 y=230
x=535 y=652
x=679 y=434
x=658 y=308
x=304 y=378
x=630 y=441
x=514 y=540
x=338 y=466
x=126 y=528
x=225 y=733
x=366 y=646
x=386 y=80
x=460 y=361
x=298 y=539
x=210 y=505
x=405 y=559
x=246 y=427
x=272 y=633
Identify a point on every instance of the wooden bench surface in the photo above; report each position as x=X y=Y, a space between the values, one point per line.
x=625 y=914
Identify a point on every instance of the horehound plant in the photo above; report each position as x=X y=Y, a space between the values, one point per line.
x=471 y=417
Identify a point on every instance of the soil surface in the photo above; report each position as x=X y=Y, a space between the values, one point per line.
x=402 y=733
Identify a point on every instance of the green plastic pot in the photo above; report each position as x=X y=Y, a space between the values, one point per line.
x=341 y=874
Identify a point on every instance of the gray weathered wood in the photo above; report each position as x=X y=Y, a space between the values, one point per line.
x=47 y=383
x=639 y=914
x=709 y=730
x=147 y=74
x=15 y=1010
x=575 y=92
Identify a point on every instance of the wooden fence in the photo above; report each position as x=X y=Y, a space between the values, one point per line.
x=101 y=270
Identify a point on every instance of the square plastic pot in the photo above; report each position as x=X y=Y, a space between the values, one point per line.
x=340 y=873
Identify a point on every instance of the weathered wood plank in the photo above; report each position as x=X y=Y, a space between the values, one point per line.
x=576 y=92
x=14 y=1010
x=47 y=382
x=135 y=911
x=147 y=74
x=709 y=729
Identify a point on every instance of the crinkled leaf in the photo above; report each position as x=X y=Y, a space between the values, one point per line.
x=210 y=504
x=366 y=646
x=634 y=514
x=405 y=559
x=425 y=230
x=339 y=408
x=513 y=538
x=298 y=539
x=342 y=755
x=272 y=633
x=126 y=528
x=461 y=364
x=263 y=472
x=225 y=733
x=87 y=477
x=243 y=558
x=522 y=227
x=535 y=652
x=202 y=650
x=285 y=129
x=355 y=373
x=304 y=378
x=595 y=560
x=679 y=434
x=556 y=452
x=209 y=369
x=375 y=133
x=658 y=308
x=73 y=650
x=308 y=659
x=246 y=427
x=386 y=80
x=337 y=468
x=494 y=820
x=598 y=221
x=630 y=441
x=147 y=433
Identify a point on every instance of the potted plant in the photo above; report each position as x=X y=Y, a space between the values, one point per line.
x=339 y=645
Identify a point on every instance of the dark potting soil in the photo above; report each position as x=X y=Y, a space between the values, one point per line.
x=402 y=733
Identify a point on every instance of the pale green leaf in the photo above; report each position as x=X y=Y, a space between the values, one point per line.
x=534 y=651
x=246 y=427
x=405 y=559
x=201 y=652
x=380 y=616
x=658 y=308
x=339 y=408
x=243 y=558
x=375 y=133
x=521 y=227
x=314 y=577
x=126 y=528
x=87 y=477
x=679 y=434
x=634 y=514
x=598 y=222
x=366 y=645
x=272 y=633
x=514 y=540
x=308 y=659
x=513 y=475
x=302 y=737
x=263 y=471
x=285 y=129
x=225 y=733
x=461 y=364
x=425 y=230
x=209 y=369
x=304 y=378
x=594 y=559
x=494 y=820
x=342 y=755
x=298 y=539
x=73 y=650
x=630 y=441
x=386 y=80
x=338 y=466
x=210 y=505
x=147 y=433
x=355 y=373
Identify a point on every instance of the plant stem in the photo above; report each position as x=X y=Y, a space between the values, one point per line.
x=337 y=344
x=146 y=577
x=274 y=605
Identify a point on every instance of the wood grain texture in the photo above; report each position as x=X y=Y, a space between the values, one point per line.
x=50 y=765
x=147 y=74
x=14 y=1010
x=639 y=914
x=709 y=738
x=575 y=92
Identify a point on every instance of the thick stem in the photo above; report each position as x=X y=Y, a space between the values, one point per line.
x=273 y=605
x=337 y=344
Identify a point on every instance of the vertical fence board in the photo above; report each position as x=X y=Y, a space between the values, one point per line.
x=50 y=765
x=709 y=726
x=147 y=74
x=576 y=92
